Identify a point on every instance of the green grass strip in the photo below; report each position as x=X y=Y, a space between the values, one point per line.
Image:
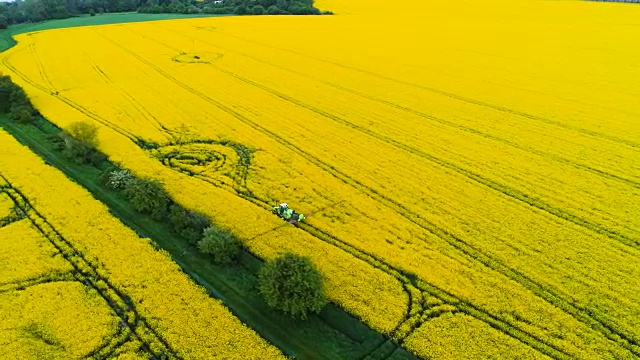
x=6 y=35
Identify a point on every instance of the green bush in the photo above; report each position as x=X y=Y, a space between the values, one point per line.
x=116 y=178
x=79 y=143
x=5 y=95
x=84 y=132
x=147 y=196
x=81 y=152
x=105 y=175
x=19 y=96
x=187 y=223
x=221 y=245
x=22 y=114
x=258 y=10
x=292 y=284
x=14 y=100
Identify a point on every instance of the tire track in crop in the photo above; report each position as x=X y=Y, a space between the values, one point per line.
x=106 y=345
x=40 y=280
x=67 y=276
x=446 y=297
x=64 y=99
x=420 y=113
x=85 y=272
x=41 y=69
x=77 y=106
x=503 y=109
x=412 y=217
x=136 y=104
x=110 y=345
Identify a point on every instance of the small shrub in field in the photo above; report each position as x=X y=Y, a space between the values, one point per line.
x=187 y=223
x=147 y=196
x=22 y=114
x=118 y=179
x=79 y=143
x=84 y=132
x=221 y=245
x=292 y=284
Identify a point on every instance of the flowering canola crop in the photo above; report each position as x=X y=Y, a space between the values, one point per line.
x=58 y=320
x=467 y=165
x=26 y=255
x=5 y=206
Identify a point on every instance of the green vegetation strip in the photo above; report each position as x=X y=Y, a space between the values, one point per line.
x=333 y=334
x=7 y=41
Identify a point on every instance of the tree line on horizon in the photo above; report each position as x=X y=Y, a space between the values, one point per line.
x=32 y=11
x=235 y=7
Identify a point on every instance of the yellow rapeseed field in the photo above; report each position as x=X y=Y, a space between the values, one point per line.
x=26 y=255
x=76 y=283
x=471 y=167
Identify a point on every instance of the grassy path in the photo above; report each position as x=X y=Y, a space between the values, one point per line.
x=6 y=35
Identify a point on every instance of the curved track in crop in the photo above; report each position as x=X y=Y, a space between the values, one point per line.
x=132 y=325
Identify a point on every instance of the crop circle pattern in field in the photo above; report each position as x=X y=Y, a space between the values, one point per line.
x=223 y=163
x=193 y=158
x=204 y=57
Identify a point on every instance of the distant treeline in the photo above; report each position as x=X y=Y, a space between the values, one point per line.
x=23 y=11
x=237 y=7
